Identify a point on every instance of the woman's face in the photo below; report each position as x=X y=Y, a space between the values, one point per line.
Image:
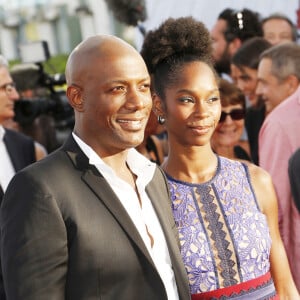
x=228 y=132
x=192 y=106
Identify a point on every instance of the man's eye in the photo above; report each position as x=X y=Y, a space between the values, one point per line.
x=118 y=88
x=186 y=99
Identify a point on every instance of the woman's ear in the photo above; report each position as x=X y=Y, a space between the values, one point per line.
x=75 y=97
x=157 y=105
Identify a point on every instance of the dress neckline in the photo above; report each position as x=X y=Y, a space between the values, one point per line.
x=199 y=184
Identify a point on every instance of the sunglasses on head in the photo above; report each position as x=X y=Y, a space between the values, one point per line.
x=235 y=114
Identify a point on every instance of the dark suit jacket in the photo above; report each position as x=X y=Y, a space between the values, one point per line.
x=20 y=149
x=66 y=235
x=294 y=176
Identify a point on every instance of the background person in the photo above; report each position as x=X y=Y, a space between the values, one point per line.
x=227 y=135
x=93 y=219
x=152 y=146
x=225 y=211
x=278 y=82
x=230 y=31
x=244 y=67
x=16 y=150
x=278 y=28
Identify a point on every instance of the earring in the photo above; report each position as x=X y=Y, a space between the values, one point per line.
x=161 y=120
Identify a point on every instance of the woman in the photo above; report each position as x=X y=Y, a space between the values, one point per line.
x=226 y=212
x=227 y=135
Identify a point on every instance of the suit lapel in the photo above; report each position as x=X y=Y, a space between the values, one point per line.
x=12 y=150
x=162 y=206
x=99 y=185
x=163 y=210
x=1 y=194
x=106 y=195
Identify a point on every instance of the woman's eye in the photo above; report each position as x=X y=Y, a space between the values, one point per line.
x=145 y=87
x=213 y=99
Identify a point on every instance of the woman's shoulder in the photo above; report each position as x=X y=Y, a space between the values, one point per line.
x=263 y=186
x=258 y=174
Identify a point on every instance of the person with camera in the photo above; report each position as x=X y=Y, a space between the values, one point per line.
x=16 y=149
x=93 y=219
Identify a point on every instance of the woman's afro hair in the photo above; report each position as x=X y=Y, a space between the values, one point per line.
x=180 y=36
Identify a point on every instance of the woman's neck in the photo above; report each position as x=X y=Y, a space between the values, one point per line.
x=226 y=151
x=194 y=164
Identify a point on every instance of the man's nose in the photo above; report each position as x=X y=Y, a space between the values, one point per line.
x=137 y=100
x=14 y=95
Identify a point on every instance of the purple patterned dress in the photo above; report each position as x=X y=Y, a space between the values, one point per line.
x=223 y=234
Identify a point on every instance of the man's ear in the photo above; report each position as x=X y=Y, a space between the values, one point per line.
x=158 y=107
x=75 y=97
x=234 y=45
x=292 y=84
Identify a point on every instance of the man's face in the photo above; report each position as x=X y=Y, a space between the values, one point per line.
x=7 y=96
x=221 y=55
x=277 y=31
x=271 y=90
x=116 y=102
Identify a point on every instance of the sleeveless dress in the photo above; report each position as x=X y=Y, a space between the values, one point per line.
x=224 y=236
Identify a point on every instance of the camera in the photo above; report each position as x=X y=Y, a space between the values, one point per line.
x=41 y=93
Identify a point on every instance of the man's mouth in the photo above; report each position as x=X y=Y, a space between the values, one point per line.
x=131 y=124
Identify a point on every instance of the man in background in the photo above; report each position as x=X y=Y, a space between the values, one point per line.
x=16 y=149
x=278 y=28
x=278 y=85
x=230 y=31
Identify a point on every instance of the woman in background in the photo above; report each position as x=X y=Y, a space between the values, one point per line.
x=152 y=147
x=227 y=135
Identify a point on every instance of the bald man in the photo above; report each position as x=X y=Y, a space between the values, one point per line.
x=93 y=220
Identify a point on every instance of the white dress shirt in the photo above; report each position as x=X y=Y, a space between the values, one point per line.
x=143 y=214
x=7 y=170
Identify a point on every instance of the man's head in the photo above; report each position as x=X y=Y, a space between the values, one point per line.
x=278 y=74
x=229 y=32
x=8 y=93
x=278 y=28
x=109 y=89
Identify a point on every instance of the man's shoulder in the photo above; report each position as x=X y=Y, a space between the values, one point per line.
x=287 y=106
x=159 y=178
x=48 y=163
